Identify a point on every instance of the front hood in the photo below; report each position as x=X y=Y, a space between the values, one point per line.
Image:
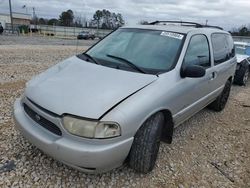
x=240 y=58
x=83 y=89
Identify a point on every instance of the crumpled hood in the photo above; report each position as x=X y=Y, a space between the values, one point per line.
x=83 y=89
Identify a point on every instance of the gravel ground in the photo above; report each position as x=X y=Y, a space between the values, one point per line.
x=209 y=150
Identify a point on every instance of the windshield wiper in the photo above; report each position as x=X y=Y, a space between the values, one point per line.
x=91 y=58
x=135 y=67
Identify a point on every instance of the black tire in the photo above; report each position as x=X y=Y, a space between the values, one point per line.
x=241 y=75
x=221 y=101
x=144 y=151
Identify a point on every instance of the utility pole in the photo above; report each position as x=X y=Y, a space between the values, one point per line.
x=11 y=18
x=34 y=17
x=34 y=12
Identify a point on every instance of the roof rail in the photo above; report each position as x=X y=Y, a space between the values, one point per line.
x=183 y=23
x=212 y=26
x=180 y=22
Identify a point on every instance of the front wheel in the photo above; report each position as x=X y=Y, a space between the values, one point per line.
x=144 y=151
x=221 y=101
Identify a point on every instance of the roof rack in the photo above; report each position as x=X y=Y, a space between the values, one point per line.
x=192 y=24
x=180 y=22
x=213 y=26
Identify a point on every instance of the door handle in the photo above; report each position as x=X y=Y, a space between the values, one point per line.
x=213 y=75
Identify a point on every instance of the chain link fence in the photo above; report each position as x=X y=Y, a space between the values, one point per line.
x=69 y=32
x=241 y=39
x=57 y=31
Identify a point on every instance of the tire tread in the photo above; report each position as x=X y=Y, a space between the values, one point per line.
x=145 y=148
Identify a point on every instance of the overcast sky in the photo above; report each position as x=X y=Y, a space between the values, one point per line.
x=226 y=13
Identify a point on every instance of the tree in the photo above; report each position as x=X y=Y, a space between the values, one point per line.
x=66 y=18
x=120 y=20
x=42 y=21
x=107 y=19
x=243 y=31
x=97 y=17
x=78 y=20
x=53 y=21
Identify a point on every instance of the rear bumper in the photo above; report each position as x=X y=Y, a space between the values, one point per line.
x=82 y=154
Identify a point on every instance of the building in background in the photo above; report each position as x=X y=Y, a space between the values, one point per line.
x=18 y=19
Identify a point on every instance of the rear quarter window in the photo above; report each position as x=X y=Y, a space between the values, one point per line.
x=223 y=47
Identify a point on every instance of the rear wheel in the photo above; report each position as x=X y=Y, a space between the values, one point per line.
x=242 y=74
x=146 y=144
x=221 y=101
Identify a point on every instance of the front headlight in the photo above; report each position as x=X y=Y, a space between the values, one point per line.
x=91 y=129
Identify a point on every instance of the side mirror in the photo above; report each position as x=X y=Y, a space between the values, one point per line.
x=193 y=71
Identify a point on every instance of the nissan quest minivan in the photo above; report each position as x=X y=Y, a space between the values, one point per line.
x=124 y=95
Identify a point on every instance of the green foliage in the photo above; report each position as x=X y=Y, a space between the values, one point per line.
x=53 y=21
x=101 y=19
x=107 y=20
x=98 y=16
x=242 y=31
x=66 y=18
x=42 y=21
x=23 y=28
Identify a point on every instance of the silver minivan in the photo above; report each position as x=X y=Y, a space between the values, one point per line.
x=118 y=100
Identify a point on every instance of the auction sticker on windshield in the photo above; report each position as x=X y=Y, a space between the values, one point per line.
x=172 y=35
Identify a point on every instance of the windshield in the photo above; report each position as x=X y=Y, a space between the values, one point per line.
x=149 y=50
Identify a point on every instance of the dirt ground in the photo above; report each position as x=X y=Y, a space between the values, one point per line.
x=209 y=150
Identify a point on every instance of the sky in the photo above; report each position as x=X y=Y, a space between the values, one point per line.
x=225 y=13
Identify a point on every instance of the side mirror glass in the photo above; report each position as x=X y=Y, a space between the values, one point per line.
x=193 y=71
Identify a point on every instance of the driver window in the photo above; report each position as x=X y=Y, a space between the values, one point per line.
x=198 y=52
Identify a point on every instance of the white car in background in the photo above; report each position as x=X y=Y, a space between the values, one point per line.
x=243 y=62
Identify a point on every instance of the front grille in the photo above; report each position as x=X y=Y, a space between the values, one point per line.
x=42 y=121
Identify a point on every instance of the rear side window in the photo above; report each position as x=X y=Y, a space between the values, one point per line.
x=223 y=47
x=198 y=52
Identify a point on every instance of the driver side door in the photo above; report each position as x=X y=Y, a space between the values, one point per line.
x=194 y=92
